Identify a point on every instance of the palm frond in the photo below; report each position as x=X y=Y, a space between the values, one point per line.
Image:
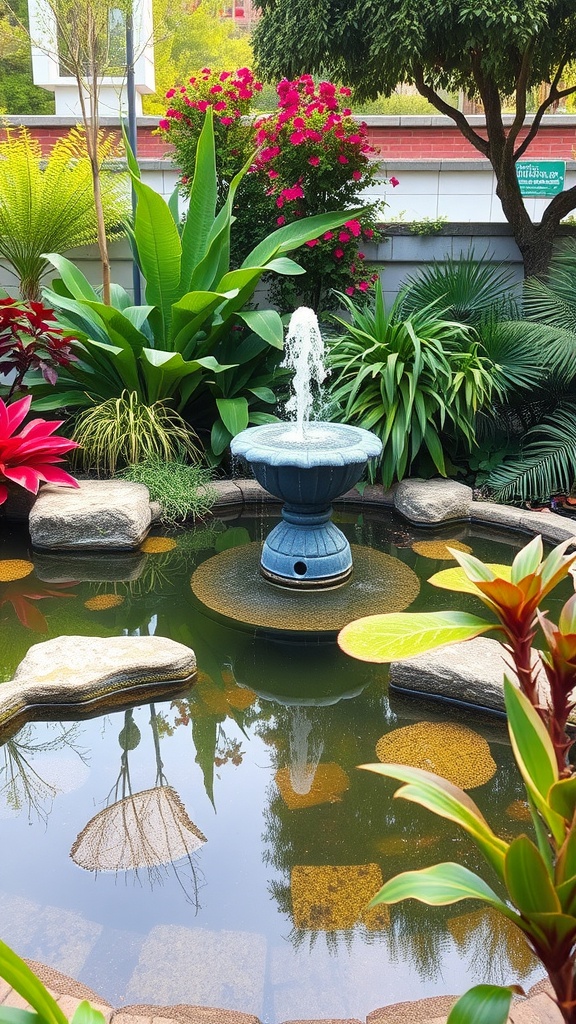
x=547 y=463
x=466 y=288
x=47 y=204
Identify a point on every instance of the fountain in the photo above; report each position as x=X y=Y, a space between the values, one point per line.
x=308 y=464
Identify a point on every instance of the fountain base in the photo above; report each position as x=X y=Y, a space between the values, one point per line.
x=306 y=550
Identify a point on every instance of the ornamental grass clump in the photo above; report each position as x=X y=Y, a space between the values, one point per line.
x=183 y=490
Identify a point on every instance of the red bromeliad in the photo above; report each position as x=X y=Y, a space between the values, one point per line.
x=28 y=458
x=31 y=340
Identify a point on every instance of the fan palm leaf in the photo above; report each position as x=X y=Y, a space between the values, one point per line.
x=466 y=289
x=47 y=204
x=548 y=461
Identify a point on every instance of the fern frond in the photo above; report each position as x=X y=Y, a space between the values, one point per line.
x=548 y=461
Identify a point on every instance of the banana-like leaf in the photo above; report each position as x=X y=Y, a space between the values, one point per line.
x=24 y=981
x=120 y=329
x=266 y=323
x=447 y=801
x=456 y=579
x=220 y=437
x=439 y=886
x=398 y=635
x=191 y=312
x=484 y=1004
x=291 y=236
x=74 y=314
x=164 y=372
x=78 y=286
x=234 y=413
x=159 y=252
x=284 y=265
x=202 y=207
x=528 y=879
x=562 y=797
x=534 y=755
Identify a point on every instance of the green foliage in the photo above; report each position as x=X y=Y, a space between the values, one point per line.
x=28 y=985
x=48 y=204
x=189 y=343
x=428 y=226
x=410 y=379
x=539 y=876
x=182 y=489
x=18 y=94
x=123 y=431
x=469 y=289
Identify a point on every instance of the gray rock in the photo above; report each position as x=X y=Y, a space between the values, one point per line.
x=432 y=501
x=88 y=566
x=100 y=514
x=86 y=669
x=472 y=672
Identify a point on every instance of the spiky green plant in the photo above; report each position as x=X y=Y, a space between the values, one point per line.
x=411 y=379
x=125 y=431
x=467 y=289
x=47 y=204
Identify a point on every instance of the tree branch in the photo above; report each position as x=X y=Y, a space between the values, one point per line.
x=560 y=206
x=456 y=115
x=521 y=89
x=553 y=95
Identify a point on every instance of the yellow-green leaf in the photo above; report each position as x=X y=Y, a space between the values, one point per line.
x=562 y=797
x=456 y=579
x=398 y=635
x=528 y=880
x=484 y=1004
x=439 y=886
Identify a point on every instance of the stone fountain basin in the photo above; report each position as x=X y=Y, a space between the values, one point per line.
x=312 y=469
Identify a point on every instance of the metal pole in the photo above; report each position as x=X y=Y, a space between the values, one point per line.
x=132 y=132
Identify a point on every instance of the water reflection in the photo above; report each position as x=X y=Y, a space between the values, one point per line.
x=31 y=777
x=149 y=829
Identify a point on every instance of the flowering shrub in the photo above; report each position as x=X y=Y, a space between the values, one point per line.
x=314 y=158
x=30 y=340
x=229 y=94
x=28 y=458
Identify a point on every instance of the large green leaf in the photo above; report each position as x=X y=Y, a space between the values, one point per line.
x=164 y=372
x=484 y=1004
x=120 y=328
x=562 y=797
x=266 y=323
x=284 y=265
x=78 y=286
x=190 y=313
x=534 y=754
x=398 y=635
x=202 y=206
x=10 y=1015
x=456 y=579
x=291 y=236
x=439 y=886
x=234 y=413
x=159 y=252
x=447 y=801
x=528 y=879
x=24 y=981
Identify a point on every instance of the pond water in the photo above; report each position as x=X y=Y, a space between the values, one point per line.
x=255 y=841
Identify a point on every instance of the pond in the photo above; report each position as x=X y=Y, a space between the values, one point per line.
x=219 y=848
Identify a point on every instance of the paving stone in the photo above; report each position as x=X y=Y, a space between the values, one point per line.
x=182 y=1013
x=5 y=990
x=539 y=1009
x=491 y=512
x=99 y=514
x=552 y=527
x=177 y=965
x=325 y=1020
x=421 y=1012
x=63 y=939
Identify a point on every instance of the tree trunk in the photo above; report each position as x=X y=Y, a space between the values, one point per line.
x=535 y=241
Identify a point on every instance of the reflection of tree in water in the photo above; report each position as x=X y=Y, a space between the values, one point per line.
x=22 y=785
x=148 y=829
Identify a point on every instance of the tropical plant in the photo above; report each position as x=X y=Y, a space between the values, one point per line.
x=537 y=875
x=29 y=457
x=183 y=491
x=124 y=431
x=188 y=343
x=410 y=380
x=47 y=203
x=45 y=1008
x=546 y=463
x=469 y=289
x=30 y=340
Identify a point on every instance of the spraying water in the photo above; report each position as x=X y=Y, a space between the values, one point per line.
x=304 y=353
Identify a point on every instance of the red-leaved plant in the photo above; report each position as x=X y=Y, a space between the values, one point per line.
x=28 y=458
x=31 y=340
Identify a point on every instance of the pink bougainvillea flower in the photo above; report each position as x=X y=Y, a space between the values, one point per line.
x=342 y=159
x=363 y=286
x=221 y=105
x=357 y=175
x=345 y=91
x=163 y=124
x=368 y=233
x=338 y=254
x=280 y=221
x=343 y=236
x=215 y=88
x=226 y=120
x=350 y=289
x=394 y=182
x=328 y=236
x=311 y=243
x=314 y=161
x=170 y=94
x=273 y=174
x=354 y=227
x=29 y=458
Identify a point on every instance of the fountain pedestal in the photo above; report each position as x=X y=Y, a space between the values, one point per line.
x=307 y=472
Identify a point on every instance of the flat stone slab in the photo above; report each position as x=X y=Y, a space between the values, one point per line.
x=420 y=1012
x=81 y=670
x=88 y=566
x=98 y=515
x=471 y=672
x=432 y=501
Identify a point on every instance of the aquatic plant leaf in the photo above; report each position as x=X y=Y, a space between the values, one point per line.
x=447 y=801
x=25 y=982
x=484 y=1004
x=439 y=886
x=534 y=755
x=86 y=1014
x=457 y=580
x=528 y=879
x=398 y=635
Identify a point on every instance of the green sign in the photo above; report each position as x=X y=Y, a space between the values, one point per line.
x=540 y=177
